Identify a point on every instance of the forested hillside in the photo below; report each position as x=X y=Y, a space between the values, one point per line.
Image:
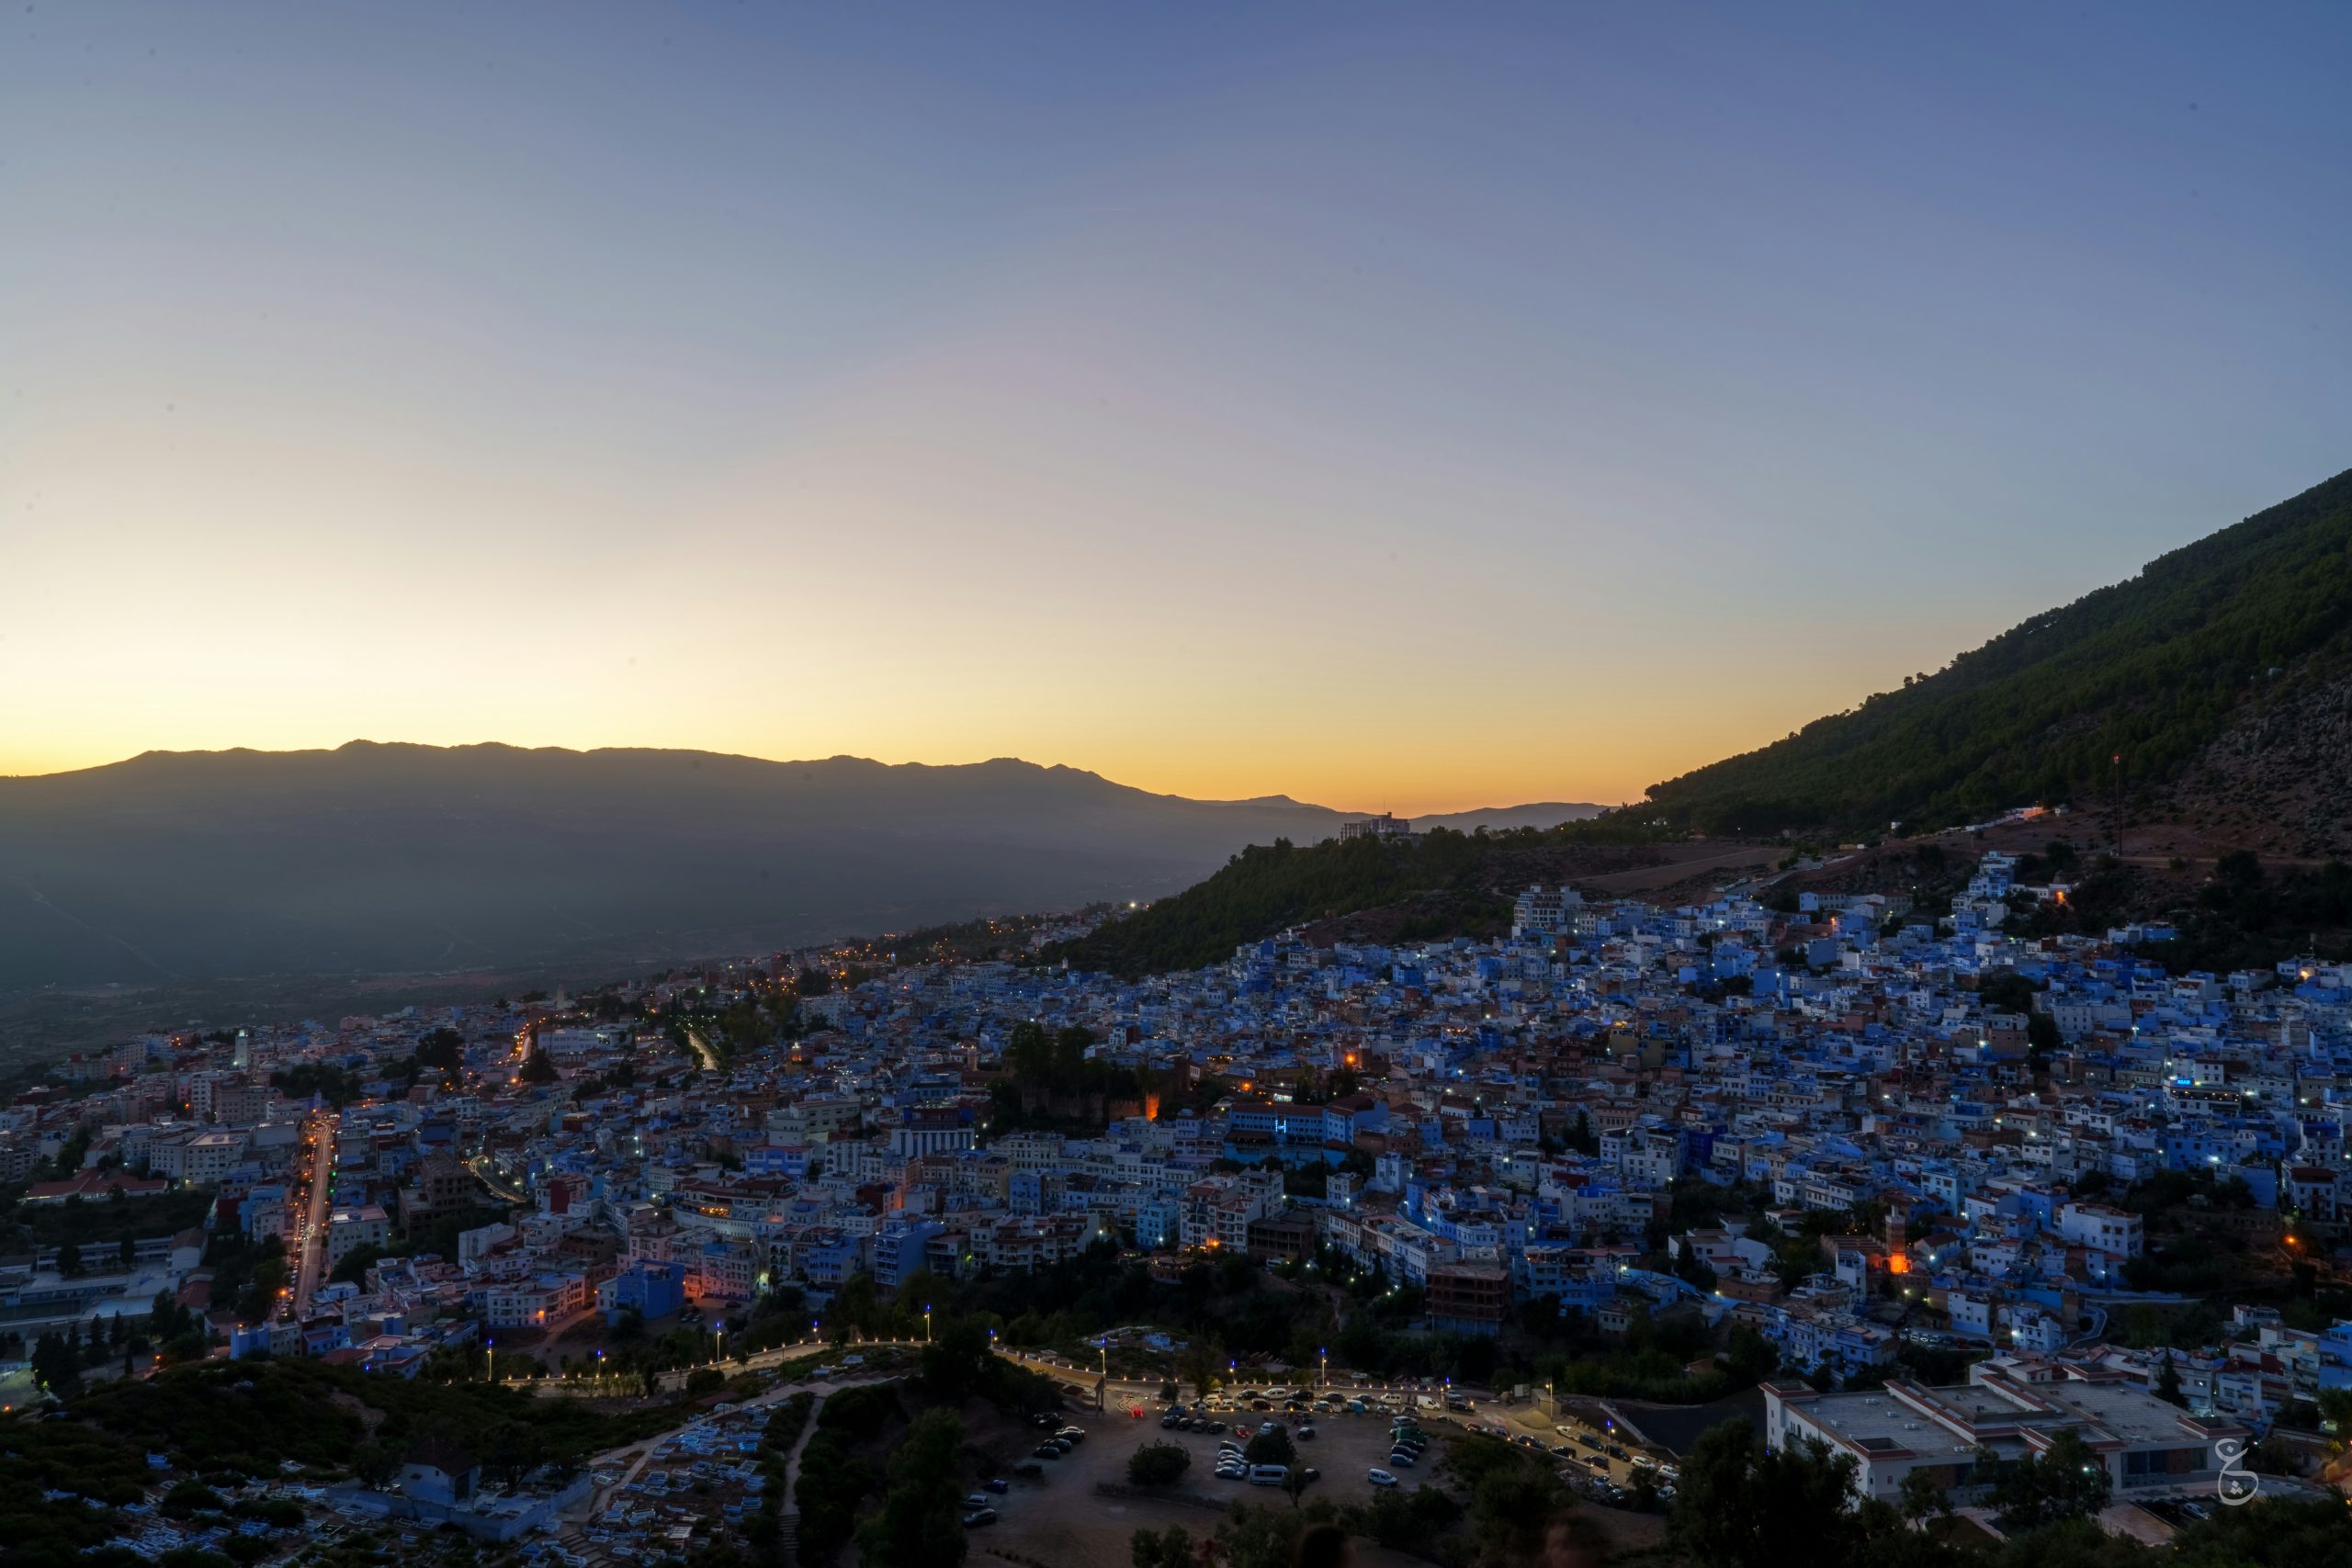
x=2153 y=668
x=1447 y=884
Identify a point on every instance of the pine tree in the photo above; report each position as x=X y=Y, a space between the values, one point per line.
x=1580 y=1137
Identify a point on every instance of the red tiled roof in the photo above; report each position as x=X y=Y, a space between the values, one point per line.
x=94 y=1184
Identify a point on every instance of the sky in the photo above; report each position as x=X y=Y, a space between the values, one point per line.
x=1395 y=407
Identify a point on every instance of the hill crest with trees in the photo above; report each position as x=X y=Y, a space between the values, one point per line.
x=2154 y=670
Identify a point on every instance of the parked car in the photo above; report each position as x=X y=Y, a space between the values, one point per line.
x=1305 y=1429
x=980 y=1516
x=997 y=1485
x=1401 y=1457
x=1046 y=1451
x=1379 y=1477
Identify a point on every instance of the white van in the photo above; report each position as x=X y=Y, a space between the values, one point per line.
x=1267 y=1475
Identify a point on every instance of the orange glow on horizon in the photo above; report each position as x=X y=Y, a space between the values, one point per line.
x=986 y=415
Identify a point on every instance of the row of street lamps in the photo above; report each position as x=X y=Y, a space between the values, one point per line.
x=815 y=1336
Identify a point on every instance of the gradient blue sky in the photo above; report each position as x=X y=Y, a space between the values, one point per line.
x=1390 y=406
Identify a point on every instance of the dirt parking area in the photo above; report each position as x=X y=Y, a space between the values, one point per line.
x=1063 y=1521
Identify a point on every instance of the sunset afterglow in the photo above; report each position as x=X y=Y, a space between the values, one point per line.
x=1390 y=411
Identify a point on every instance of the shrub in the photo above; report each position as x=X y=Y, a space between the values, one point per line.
x=1157 y=1464
x=190 y=1497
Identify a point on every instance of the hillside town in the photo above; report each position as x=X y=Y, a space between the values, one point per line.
x=1921 y=1161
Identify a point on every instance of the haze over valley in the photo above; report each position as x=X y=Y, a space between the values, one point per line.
x=375 y=859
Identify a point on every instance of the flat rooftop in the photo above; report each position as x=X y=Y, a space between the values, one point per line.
x=1879 y=1423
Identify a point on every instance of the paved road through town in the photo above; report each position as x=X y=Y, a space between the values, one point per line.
x=322 y=1128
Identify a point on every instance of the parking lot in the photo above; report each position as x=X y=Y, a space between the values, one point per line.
x=1343 y=1449
x=1059 y=1518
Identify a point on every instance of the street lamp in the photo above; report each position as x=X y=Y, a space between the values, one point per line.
x=1326 y=1353
x=926 y=1323
x=491 y=1346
